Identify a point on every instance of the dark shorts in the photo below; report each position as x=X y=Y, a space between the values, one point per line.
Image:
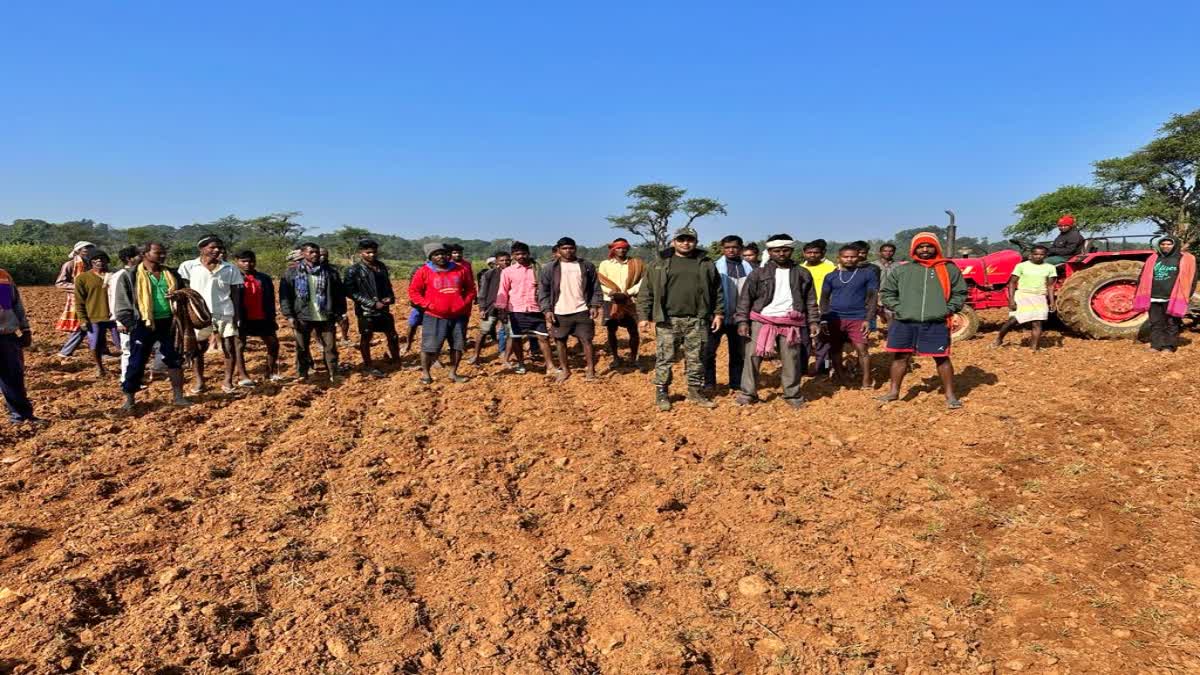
x=258 y=328
x=382 y=323
x=842 y=331
x=435 y=332
x=416 y=317
x=527 y=324
x=579 y=324
x=931 y=338
x=629 y=321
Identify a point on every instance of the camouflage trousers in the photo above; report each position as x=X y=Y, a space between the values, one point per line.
x=688 y=333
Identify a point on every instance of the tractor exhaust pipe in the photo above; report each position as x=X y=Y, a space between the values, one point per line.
x=951 y=234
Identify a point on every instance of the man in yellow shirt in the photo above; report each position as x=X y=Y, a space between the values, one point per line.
x=620 y=280
x=817 y=266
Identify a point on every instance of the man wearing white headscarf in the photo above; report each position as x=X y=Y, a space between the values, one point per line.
x=777 y=310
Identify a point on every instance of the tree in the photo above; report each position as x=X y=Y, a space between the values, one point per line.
x=30 y=231
x=144 y=234
x=279 y=226
x=650 y=214
x=343 y=242
x=1159 y=183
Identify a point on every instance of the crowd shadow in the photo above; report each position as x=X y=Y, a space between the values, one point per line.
x=965 y=381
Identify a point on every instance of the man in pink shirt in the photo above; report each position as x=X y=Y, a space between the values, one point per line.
x=517 y=303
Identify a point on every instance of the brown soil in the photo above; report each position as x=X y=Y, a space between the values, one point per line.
x=511 y=525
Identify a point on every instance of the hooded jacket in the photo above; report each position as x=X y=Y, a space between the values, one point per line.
x=1166 y=272
x=550 y=284
x=915 y=293
x=759 y=289
x=652 y=300
x=445 y=293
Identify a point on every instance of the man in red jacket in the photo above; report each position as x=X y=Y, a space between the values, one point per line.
x=445 y=291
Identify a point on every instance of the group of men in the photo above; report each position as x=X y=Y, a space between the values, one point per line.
x=796 y=311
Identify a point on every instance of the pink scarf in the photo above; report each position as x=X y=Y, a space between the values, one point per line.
x=1178 y=304
x=790 y=327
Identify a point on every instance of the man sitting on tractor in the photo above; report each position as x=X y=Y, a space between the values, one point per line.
x=1067 y=244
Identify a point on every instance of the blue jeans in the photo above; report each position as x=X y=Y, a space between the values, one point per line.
x=141 y=349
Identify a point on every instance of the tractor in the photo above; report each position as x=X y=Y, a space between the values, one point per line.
x=1094 y=289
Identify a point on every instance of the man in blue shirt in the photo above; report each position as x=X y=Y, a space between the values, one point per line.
x=847 y=310
x=734 y=271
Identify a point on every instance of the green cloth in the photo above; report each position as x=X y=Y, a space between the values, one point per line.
x=683 y=286
x=158 y=289
x=1032 y=276
x=317 y=314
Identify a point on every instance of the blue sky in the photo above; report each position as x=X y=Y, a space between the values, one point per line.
x=532 y=119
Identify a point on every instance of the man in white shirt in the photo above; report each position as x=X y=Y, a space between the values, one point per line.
x=777 y=310
x=220 y=284
x=569 y=295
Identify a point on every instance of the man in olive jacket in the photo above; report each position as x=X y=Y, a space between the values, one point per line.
x=682 y=296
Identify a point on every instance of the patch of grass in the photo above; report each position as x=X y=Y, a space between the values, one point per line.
x=940 y=492
x=1032 y=486
x=1076 y=469
x=932 y=531
x=634 y=591
x=803 y=592
x=787 y=660
x=1152 y=616
x=1097 y=598
x=979 y=599
x=1177 y=586
x=764 y=464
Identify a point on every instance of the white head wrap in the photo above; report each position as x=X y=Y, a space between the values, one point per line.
x=781 y=243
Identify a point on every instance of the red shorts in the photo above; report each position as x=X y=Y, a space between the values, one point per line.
x=842 y=331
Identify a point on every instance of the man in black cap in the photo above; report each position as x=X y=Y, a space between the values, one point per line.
x=369 y=284
x=569 y=295
x=682 y=297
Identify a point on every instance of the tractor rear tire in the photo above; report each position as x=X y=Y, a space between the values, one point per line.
x=1075 y=300
x=964 y=325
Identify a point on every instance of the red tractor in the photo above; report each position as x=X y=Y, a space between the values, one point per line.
x=1094 y=289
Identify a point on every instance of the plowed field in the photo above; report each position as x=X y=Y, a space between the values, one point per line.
x=510 y=525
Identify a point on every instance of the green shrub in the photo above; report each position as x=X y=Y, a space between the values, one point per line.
x=33 y=264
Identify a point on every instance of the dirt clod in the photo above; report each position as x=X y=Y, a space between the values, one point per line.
x=753 y=585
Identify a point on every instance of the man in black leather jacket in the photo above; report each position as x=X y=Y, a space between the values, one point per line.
x=369 y=284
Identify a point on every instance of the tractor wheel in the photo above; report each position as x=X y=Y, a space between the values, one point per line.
x=1098 y=302
x=964 y=325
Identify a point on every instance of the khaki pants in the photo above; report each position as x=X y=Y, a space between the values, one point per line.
x=794 y=359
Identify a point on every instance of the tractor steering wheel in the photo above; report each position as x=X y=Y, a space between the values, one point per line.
x=1022 y=244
